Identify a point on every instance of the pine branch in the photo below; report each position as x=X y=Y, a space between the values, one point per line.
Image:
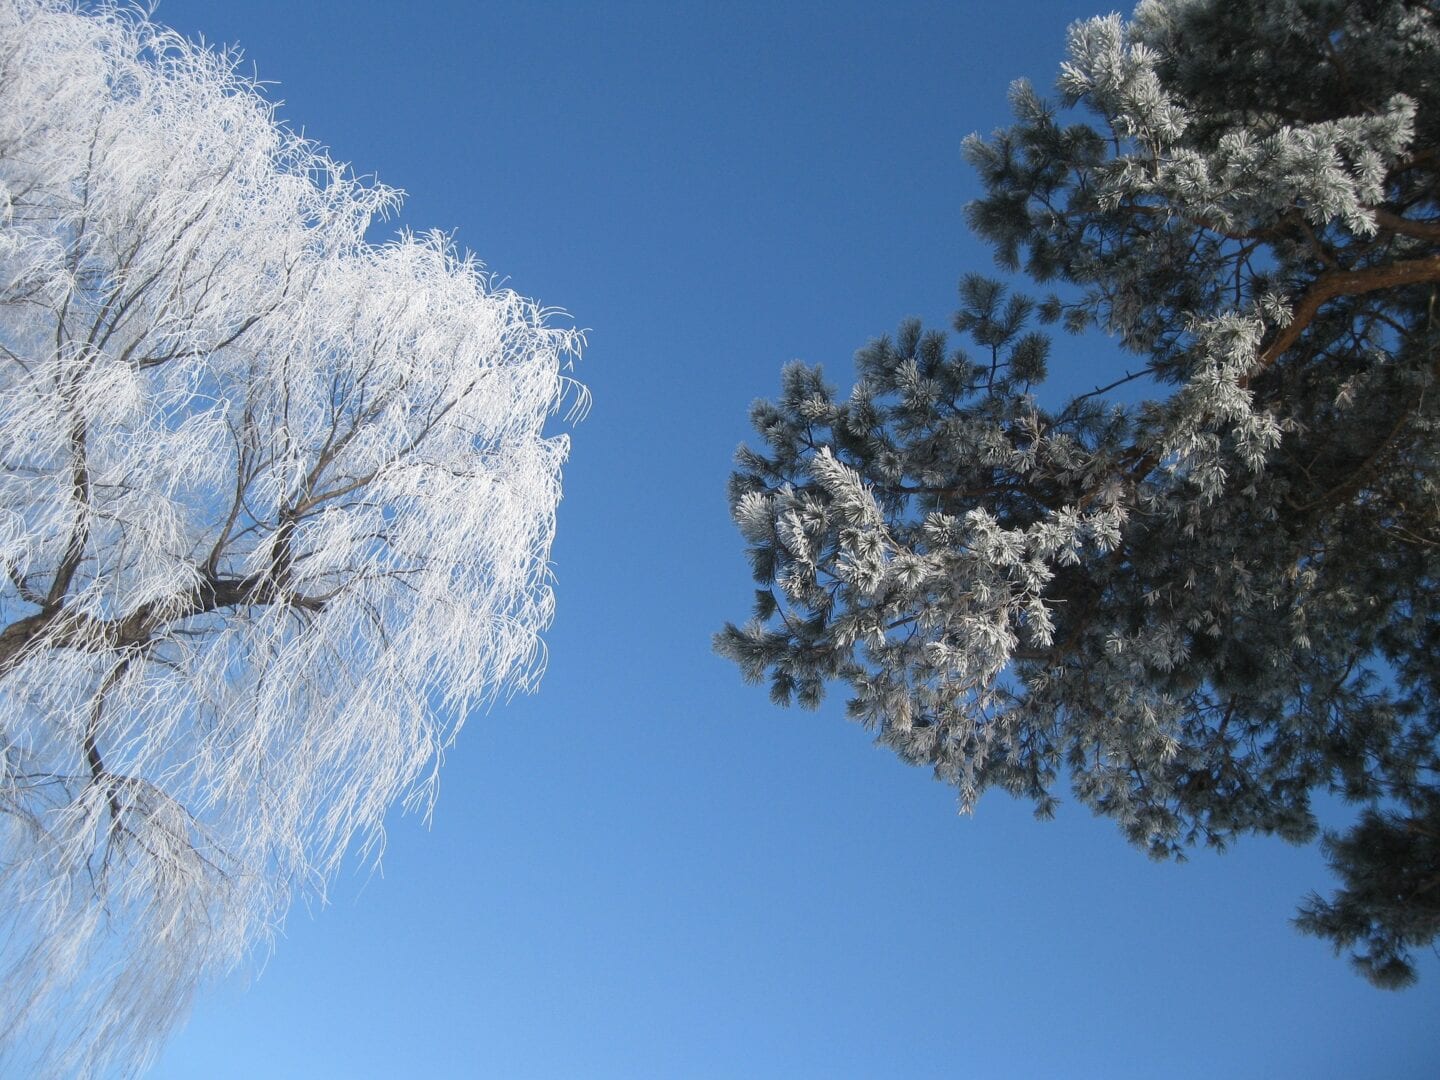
x=1331 y=286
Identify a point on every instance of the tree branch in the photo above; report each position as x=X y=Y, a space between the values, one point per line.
x=61 y=628
x=1333 y=285
x=98 y=772
x=1420 y=230
x=80 y=534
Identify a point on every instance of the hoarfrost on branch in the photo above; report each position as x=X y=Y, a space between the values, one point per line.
x=275 y=512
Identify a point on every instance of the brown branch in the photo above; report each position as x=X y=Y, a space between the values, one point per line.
x=1330 y=286
x=1420 y=230
x=1326 y=287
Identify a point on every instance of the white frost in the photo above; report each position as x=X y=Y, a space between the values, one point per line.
x=275 y=512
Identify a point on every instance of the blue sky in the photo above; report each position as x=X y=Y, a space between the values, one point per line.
x=647 y=869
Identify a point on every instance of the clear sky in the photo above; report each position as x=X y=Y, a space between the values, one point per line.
x=647 y=870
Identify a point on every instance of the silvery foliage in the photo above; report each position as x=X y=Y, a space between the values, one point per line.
x=275 y=512
x=1199 y=608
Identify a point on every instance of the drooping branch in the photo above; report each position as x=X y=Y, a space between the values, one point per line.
x=204 y=271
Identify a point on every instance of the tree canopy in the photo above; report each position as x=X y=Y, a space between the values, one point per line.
x=275 y=511
x=1203 y=603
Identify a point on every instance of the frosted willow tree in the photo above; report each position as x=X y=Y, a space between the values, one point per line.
x=275 y=511
x=1203 y=607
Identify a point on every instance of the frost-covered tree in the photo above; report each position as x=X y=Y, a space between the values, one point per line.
x=1199 y=608
x=275 y=512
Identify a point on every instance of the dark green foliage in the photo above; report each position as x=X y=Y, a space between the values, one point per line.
x=1207 y=606
x=1390 y=902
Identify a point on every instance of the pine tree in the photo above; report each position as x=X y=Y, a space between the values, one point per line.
x=1203 y=607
